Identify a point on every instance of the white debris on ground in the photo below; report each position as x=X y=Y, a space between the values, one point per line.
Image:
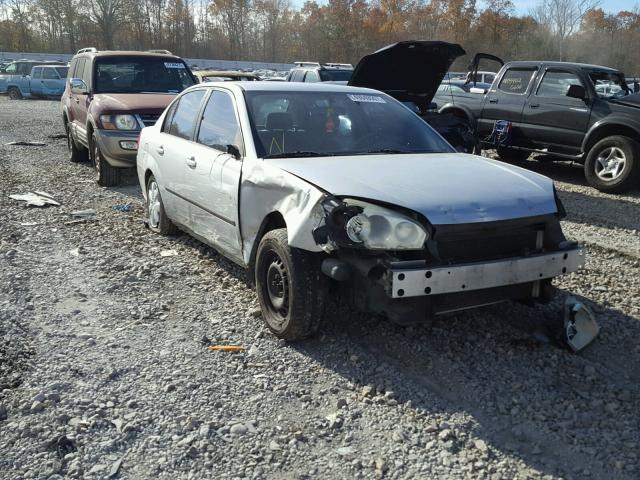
x=105 y=370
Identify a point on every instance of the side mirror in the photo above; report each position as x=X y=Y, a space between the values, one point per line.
x=577 y=91
x=235 y=151
x=78 y=86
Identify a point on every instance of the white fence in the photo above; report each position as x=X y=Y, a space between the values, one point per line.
x=200 y=62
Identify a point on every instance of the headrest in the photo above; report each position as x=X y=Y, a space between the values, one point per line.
x=279 y=121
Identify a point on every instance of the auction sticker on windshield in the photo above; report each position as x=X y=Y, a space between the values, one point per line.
x=174 y=65
x=366 y=98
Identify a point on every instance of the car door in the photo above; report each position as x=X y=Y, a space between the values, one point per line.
x=171 y=151
x=553 y=118
x=77 y=105
x=505 y=101
x=50 y=83
x=213 y=172
x=36 y=81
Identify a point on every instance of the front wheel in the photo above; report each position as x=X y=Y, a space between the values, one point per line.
x=613 y=164
x=106 y=175
x=291 y=288
x=14 y=94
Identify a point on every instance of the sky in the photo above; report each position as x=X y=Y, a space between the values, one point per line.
x=610 y=6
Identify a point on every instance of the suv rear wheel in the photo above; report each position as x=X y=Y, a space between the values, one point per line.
x=76 y=154
x=613 y=164
x=507 y=154
x=14 y=93
x=106 y=175
x=291 y=288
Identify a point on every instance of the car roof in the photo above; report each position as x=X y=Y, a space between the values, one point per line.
x=584 y=66
x=125 y=53
x=297 y=87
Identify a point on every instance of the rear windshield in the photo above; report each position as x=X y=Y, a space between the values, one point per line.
x=141 y=75
x=336 y=75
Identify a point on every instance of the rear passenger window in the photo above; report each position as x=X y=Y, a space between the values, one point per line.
x=86 y=73
x=72 y=68
x=516 y=80
x=186 y=115
x=169 y=117
x=79 y=68
x=219 y=126
x=556 y=84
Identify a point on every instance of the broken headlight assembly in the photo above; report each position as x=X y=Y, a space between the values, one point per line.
x=356 y=223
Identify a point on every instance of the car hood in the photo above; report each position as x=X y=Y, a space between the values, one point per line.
x=447 y=188
x=628 y=100
x=407 y=69
x=132 y=102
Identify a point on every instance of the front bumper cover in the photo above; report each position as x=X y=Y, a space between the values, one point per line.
x=109 y=143
x=414 y=282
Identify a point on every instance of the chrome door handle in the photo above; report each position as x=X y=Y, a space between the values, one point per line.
x=191 y=162
x=160 y=150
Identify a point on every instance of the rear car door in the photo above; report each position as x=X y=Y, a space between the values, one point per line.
x=505 y=101
x=551 y=118
x=213 y=174
x=174 y=146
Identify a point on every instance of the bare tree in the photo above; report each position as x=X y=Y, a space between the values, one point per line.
x=563 y=17
x=107 y=14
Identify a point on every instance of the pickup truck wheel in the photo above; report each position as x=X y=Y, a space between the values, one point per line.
x=14 y=93
x=507 y=154
x=291 y=288
x=106 y=175
x=155 y=216
x=76 y=154
x=613 y=164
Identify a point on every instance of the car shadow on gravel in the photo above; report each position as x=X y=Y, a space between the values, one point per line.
x=553 y=409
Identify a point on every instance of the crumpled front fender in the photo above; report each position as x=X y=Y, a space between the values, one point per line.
x=266 y=189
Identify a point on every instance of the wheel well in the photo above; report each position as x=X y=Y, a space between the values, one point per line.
x=147 y=174
x=271 y=222
x=608 y=131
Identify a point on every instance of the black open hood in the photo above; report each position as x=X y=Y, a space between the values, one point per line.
x=408 y=71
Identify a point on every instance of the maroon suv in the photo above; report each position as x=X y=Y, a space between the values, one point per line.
x=109 y=97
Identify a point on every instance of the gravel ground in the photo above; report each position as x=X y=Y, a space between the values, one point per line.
x=104 y=370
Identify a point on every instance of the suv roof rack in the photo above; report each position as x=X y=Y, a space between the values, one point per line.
x=307 y=64
x=160 y=50
x=87 y=49
x=340 y=65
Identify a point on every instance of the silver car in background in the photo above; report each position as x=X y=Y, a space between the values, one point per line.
x=308 y=185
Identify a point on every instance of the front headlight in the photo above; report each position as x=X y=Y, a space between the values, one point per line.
x=380 y=228
x=119 y=122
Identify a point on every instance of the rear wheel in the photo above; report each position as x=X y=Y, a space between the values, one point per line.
x=156 y=217
x=14 y=93
x=613 y=164
x=507 y=154
x=76 y=154
x=106 y=175
x=291 y=289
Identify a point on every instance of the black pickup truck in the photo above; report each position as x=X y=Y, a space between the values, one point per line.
x=577 y=112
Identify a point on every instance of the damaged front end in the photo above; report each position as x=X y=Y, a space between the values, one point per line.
x=394 y=262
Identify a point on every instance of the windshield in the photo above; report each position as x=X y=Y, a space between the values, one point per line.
x=609 y=84
x=336 y=75
x=290 y=124
x=141 y=75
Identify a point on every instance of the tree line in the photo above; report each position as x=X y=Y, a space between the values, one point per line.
x=335 y=30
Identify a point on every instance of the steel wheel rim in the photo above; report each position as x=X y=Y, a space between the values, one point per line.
x=154 y=205
x=276 y=287
x=610 y=163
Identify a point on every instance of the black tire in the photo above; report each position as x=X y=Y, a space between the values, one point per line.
x=291 y=288
x=604 y=176
x=507 y=154
x=155 y=216
x=76 y=154
x=14 y=93
x=106 y=175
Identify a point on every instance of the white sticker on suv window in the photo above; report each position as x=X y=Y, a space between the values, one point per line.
x=174 y=65
x=366 y=98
